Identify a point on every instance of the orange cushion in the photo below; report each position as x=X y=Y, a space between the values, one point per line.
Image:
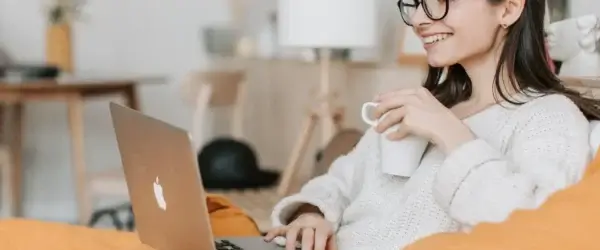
x=229 y=220
x=21 y=234
x=567 y=220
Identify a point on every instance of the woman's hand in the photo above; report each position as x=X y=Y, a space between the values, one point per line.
x=312 y=229
x=418 y=112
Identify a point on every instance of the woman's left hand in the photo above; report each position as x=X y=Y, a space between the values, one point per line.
x=418 y=112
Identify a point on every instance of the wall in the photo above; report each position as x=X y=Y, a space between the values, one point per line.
x=160 y=38
x=584 y=7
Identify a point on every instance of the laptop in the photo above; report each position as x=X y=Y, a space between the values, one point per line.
x=165 y=188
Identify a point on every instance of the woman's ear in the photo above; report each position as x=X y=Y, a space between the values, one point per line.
x=510 y=11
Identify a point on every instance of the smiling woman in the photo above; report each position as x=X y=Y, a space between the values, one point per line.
x=503 y=134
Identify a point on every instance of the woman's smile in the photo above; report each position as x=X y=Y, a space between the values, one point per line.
x=430 y=40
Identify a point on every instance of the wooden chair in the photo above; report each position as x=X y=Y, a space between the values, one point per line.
x=106 y=184
x=215 y=89
x=220 y=89
x=342 y=143
x=226 y=89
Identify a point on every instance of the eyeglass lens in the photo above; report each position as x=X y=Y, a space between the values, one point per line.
x=434 y=9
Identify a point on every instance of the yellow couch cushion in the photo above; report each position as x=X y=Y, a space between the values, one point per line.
x=20 y=234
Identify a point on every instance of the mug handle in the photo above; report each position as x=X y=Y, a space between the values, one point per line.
x=365 y=113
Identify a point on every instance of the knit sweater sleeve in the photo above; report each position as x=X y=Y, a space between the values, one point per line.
x=333 y=191
x=547 y=152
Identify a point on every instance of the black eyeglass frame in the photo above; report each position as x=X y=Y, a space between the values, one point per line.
x=416 y=4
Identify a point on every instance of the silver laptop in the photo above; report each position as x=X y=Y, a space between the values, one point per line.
x=165 y=188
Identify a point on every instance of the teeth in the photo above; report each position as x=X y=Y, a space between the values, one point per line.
x=435 y=38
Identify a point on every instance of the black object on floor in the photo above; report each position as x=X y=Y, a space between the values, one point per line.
x=227 y=163
x=30 y=71
x=113 y=213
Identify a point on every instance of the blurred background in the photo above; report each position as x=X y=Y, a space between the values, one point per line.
x=161 y=55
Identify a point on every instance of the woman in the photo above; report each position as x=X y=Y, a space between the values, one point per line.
x=505 y=135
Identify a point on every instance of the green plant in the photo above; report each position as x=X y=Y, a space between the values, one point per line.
x=63 y=11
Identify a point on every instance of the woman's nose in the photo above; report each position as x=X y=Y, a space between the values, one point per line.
x=419 y=18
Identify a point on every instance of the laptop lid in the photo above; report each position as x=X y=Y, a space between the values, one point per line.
x=163 y=179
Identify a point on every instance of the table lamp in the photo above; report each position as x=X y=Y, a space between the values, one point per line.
x=323 y=25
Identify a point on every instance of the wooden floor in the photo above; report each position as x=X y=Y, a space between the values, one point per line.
x=257 y=203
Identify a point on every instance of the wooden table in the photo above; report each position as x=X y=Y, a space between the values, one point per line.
x=73 y=92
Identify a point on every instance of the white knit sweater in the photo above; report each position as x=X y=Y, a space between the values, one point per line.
x=522 y=155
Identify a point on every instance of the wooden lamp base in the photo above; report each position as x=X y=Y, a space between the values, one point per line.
x=329 y=117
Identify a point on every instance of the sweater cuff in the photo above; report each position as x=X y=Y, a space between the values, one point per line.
x=289 y=205
x=457 y=166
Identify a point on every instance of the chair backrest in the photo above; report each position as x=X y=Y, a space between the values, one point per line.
x=342 y=143
x=216 y=89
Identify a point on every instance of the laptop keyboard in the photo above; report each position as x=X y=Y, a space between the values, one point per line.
x=226 y=245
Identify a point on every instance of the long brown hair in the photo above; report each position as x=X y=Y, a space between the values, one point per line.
x=525 y=59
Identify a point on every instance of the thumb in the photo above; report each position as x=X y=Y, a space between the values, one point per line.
x=332 y=243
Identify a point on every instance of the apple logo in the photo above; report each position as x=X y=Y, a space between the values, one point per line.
x=158 y=194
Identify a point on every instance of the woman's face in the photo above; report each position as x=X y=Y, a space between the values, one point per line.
x=468 y=32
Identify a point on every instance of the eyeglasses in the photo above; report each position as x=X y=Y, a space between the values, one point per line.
x=434 y=9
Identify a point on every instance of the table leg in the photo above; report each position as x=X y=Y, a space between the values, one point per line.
x=16 y=207
x=75 y=116
x=131 y=97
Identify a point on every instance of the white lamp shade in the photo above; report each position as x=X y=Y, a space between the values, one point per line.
x=327 y=23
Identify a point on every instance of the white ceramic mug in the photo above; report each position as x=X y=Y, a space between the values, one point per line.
x=400 y=158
